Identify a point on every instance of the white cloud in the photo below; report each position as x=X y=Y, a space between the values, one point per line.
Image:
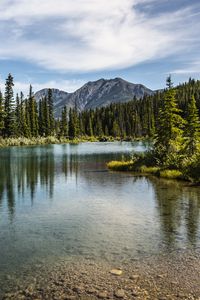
x=91 y=35
x=190 y=68
x=64 y=85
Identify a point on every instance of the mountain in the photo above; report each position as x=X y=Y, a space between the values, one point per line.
x=96 y=94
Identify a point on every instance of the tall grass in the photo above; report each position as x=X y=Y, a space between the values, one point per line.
x=22 y=141
x=120 y=165
x=149 y=170
x=171 y=174
x=145 y=163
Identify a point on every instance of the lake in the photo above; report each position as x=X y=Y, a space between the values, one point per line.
x=61 y=201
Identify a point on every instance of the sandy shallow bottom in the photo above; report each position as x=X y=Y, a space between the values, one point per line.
x=174 y=276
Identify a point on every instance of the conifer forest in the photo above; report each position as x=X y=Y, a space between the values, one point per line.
x=22 y=116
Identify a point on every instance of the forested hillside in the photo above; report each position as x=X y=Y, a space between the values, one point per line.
x=95 y=94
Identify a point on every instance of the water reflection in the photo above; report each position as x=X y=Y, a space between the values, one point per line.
x=178 y=207
x=22 y=174
x=24 y=169
x=115 y=208
x=193 y=215
x=7 y=183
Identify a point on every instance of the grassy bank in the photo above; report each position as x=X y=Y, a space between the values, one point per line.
x=146 y=164
x=22 y=141
x=130 y=166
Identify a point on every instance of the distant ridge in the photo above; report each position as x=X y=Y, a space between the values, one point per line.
x=96 y=94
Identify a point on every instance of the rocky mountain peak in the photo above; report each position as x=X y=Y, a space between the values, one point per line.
x=93 y=94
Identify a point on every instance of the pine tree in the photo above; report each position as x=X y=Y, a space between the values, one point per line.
x=9 y=122
x=74 y=128
x=18 y=126
x=81 y=129
x=71 y=131
x=63 y=123
x=25 y=130
x=192 y=129
x=169 y=82
x=33 y=113
x=150 y=119
x=27 y=118
x=90 y=129
x=2 y=114
x=170 y=123
x=77 y=125
x=98 y=127
x=51 y=130
x=46 y=120
x=41 y=119
x=115 y=129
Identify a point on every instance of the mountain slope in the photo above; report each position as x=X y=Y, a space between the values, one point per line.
x=96 y=94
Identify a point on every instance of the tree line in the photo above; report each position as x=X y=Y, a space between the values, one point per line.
x=25 y=117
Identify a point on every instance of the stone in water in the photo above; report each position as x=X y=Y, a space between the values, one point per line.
x=116 y=272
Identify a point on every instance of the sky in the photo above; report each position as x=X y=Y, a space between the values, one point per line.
x=64 y=44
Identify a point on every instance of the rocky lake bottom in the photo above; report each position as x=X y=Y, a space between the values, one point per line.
x=161 y=277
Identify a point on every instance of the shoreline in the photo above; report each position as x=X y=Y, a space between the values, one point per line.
x=143 y=170
x=22 y=141
x=160 y=277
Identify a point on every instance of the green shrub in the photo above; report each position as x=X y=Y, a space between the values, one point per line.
x=191 y=168
x=149 y=170
x=171 y=174
x=120 y=165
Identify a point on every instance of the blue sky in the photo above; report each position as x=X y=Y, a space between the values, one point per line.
x=64 y=43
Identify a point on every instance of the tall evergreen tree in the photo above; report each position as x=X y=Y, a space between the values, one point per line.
x=9 y=122
x=89 y=127
x=170 y=123
x=64 y=123
x=73 y=123
x=23 y=115
x=33 y=114
x=51 y=113
x=27 y=117
x=192 y=129
x=46 y=116
x=2 y=114
x=116 y=129
x=41 y=119
x=169 y=82
x=18 y=127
